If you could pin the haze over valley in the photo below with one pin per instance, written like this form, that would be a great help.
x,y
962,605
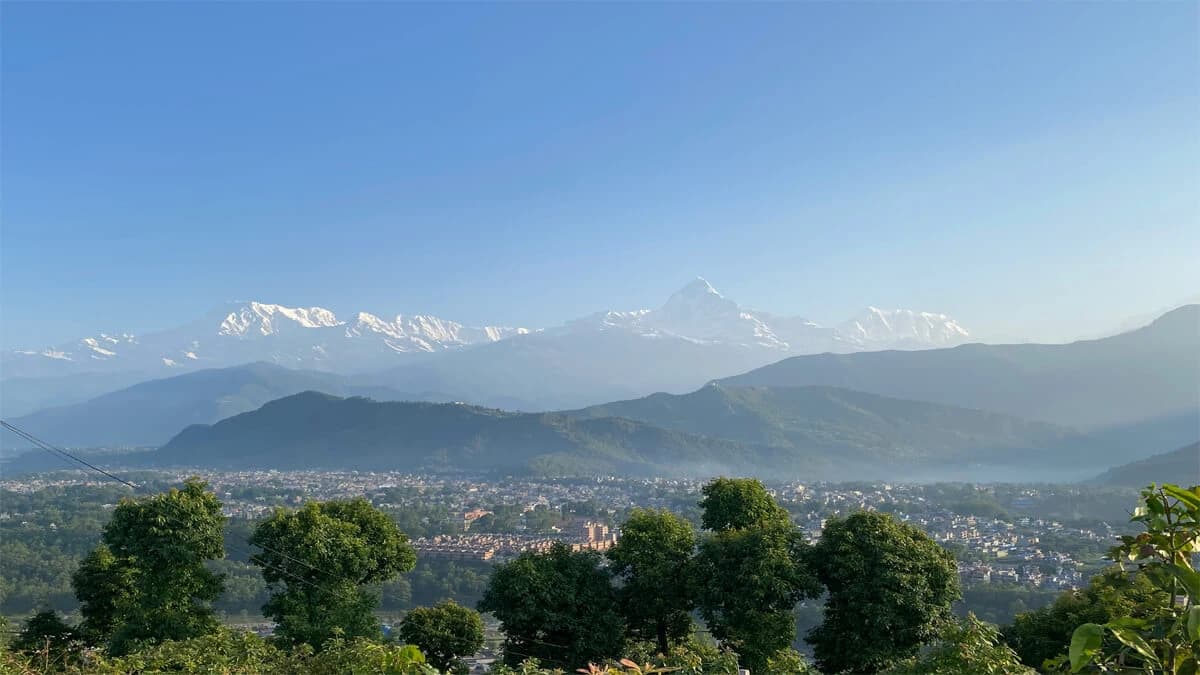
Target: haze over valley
x,y
700,386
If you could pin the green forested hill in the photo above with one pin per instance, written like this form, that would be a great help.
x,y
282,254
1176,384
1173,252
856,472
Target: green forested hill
x,y
846,424
319,430
808,432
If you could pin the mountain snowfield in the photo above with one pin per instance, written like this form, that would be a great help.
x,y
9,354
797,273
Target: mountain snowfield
x,y
316,338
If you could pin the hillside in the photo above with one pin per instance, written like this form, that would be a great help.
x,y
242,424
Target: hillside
x,y
1146,373
311,430
1180,466
816,433
150,413
851,425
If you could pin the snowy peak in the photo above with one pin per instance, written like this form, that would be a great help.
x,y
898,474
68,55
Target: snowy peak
x,y
315,337
426,333
263,319
898,327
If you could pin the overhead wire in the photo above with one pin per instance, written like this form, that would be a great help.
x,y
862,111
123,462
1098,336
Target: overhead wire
x,y
67,456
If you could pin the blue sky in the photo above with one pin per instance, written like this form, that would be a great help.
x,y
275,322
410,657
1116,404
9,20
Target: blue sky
x,y
1028,168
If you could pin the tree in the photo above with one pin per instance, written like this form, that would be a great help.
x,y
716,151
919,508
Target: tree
x,y
652,561
1044,633
45,632
751,571
749,582
967,647
557,606
103,585
152,583
324,554
738,504
1167,638
889,591
445,633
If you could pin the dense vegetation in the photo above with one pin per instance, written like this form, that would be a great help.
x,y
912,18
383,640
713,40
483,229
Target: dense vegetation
x,y
147,592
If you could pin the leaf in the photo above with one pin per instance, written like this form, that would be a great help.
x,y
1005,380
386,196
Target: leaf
x,y
1190,579
1193,623
1085,642
1131,639
1186,496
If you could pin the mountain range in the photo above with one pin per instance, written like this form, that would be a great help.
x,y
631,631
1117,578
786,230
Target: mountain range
x,y
810,432
695,336
794,414
150,413
1150,372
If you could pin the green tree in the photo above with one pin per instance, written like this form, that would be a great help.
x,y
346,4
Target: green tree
x,y
966,647
45,632
558,606
652,561
1167,638
103,585
148,580
321,557
1044,633
889,586
738,504
445,633
751,571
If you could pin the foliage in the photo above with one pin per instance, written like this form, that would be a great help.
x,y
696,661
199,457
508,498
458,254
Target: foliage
x,y
652,562
557,606
789,661
889,591
1044,634
1166,640
48,637
738,504
148,580
688,658
323,555
230,652
751,571
42,541
103,586
966,647
445,634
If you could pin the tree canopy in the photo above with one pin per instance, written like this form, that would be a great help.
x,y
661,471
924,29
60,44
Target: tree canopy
x,y
559,607
889,588
652,562
751,571
324,554
445,633
738,504
148,580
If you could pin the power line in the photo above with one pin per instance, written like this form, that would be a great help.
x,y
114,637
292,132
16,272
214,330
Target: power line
x,y
63,453
67,456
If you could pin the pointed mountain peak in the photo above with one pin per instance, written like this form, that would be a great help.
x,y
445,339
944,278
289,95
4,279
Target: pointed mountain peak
x,y
698,286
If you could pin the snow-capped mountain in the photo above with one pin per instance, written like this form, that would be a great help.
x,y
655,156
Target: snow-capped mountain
x,y
698,312
298,337
696,336
316,338
901,329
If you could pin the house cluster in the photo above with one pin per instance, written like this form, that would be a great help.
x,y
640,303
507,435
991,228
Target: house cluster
x,y
581,536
